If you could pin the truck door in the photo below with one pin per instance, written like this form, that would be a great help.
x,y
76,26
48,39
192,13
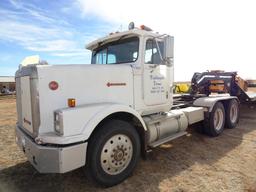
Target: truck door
x,y
156,75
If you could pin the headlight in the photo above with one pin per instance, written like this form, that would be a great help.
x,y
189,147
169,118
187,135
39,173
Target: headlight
x,y
58,122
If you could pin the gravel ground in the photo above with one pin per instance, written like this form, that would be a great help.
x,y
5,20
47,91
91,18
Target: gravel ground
x,y
192,163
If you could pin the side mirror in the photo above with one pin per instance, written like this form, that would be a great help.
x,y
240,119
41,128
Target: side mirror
x,y
168,50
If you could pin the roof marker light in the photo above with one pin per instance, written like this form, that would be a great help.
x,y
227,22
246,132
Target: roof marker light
x,y
144,27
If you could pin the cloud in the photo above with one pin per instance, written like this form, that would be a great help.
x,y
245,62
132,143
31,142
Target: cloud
x,y
36,38
208,34
22,32
54,45
28,9
31,28
57,33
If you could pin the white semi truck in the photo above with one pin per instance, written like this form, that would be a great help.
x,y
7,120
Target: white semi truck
x,y
106,115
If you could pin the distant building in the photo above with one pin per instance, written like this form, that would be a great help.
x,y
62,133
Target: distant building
x,y
8,82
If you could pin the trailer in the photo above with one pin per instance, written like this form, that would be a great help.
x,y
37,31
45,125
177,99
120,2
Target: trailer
x,y
222,82
104,116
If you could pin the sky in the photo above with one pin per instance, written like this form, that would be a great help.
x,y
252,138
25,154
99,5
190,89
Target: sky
x,y
208,34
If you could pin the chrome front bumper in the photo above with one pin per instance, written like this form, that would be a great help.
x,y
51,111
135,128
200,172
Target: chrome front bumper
x,y
51,159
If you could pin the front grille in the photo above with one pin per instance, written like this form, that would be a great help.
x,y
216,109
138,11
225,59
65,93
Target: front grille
x,y
27,99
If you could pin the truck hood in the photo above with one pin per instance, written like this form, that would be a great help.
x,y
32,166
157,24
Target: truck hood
x,y
85,83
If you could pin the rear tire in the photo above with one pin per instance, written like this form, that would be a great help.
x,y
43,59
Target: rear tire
x,y
113,153
232,114
214,125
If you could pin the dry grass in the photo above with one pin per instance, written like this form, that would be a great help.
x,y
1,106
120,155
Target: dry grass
x,y
192,163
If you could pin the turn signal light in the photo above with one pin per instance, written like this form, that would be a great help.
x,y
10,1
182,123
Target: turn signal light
x,y
71,102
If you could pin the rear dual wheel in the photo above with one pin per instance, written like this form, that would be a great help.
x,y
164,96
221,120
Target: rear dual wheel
x,y
232,114
219,118
214,125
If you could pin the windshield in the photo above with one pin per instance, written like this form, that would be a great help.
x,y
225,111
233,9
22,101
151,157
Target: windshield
x,y
120,51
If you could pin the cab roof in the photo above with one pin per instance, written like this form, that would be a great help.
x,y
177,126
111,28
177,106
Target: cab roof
x,y
117,35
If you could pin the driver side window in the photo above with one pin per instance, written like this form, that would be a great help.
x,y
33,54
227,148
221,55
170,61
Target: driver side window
x,y
152,55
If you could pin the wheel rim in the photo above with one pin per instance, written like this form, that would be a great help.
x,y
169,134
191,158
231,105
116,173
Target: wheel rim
x,y
218,119
116,154
233,113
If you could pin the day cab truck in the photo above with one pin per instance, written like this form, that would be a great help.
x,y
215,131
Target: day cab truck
x,y
106,115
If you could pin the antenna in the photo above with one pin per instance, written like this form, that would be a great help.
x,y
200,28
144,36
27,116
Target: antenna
x,y
120,28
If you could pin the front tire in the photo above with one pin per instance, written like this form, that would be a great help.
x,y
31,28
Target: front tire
x,y
214,125
113,153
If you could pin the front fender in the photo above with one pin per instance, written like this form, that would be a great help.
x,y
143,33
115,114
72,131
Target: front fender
x,y
79,122
105,111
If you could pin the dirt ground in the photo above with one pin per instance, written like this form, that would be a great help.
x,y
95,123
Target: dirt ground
x,y
192,163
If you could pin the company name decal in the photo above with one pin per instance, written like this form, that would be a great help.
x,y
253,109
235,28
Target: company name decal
x,y
156,77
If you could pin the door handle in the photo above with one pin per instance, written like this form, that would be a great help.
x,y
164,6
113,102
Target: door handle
x,y
153,66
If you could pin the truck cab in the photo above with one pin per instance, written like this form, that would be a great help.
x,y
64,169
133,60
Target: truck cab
x,y
105,115
144,52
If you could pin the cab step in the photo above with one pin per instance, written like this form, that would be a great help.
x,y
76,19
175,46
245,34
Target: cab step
x,y
167,139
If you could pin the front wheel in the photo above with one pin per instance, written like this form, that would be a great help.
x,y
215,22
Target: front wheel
x,y
113,152
214,125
